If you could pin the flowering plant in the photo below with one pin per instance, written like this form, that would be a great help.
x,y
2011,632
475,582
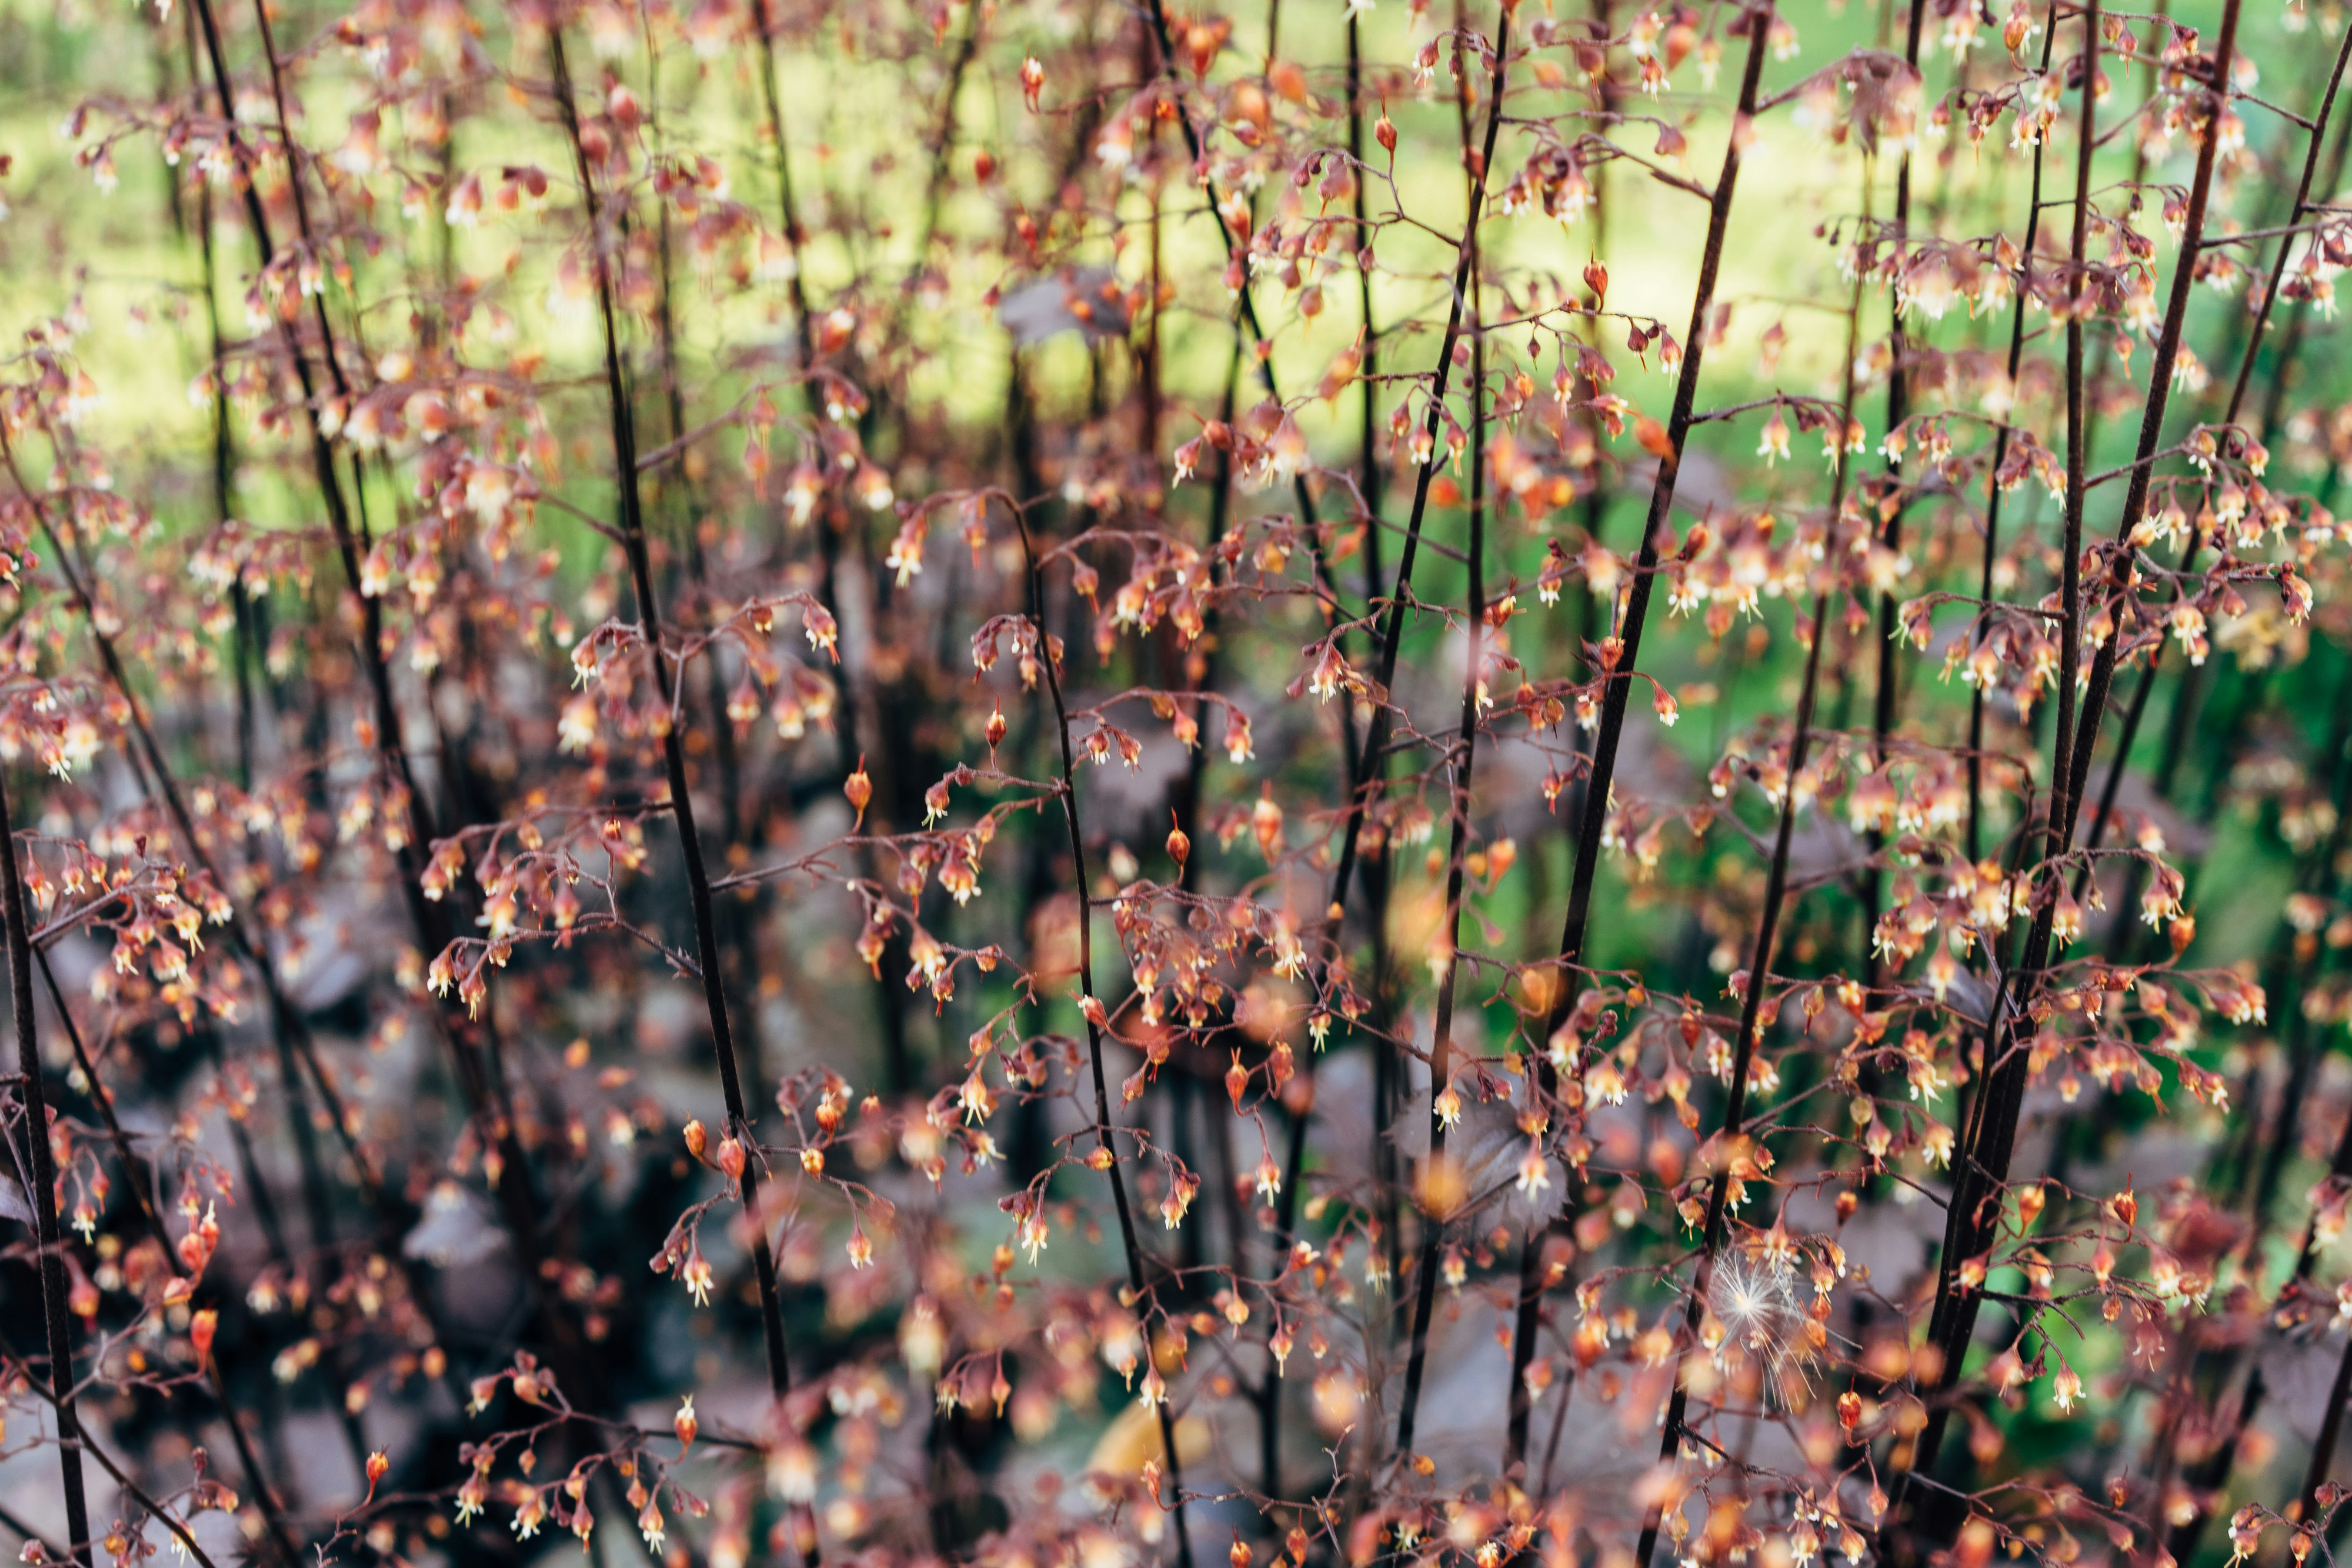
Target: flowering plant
x,y
792,665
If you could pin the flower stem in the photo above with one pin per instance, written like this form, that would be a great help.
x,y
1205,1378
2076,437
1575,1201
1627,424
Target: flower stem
x,y
1130,1246
40,1178
707,955
1617,677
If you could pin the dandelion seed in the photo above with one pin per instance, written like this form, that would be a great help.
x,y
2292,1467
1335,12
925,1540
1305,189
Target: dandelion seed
x,y
1755,1301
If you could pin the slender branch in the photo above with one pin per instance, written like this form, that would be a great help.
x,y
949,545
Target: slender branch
x,y
1759,969
484,1098
313,1177
1441,1182
1984,1166
39,1179
140,1179
1620,651
2001,451
2070,780
2286,247
1898,409
740,1121
1130,1246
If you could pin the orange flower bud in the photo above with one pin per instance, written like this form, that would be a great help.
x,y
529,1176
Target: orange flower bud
x,y
859,788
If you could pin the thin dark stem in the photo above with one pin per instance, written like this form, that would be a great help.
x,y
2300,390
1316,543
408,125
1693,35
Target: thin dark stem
x,y
1393,635
2070,780
1735,1105
139,1176
943,139
2323,1448
1994,1123
294,1045
1898,409
1621,651
888,1014
1759,969
1533,1278
1441,1183
736,935
2209,1475
2137,706
1370,481
223,465
1129,1245
1999,452
485,1096
1367,767
86,1443
40,1181
1983,1163
2069,625
293,1037
2286,247
1246,304
15,1522
740,1121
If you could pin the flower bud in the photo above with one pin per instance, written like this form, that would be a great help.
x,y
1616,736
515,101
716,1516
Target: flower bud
x,y
859,788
